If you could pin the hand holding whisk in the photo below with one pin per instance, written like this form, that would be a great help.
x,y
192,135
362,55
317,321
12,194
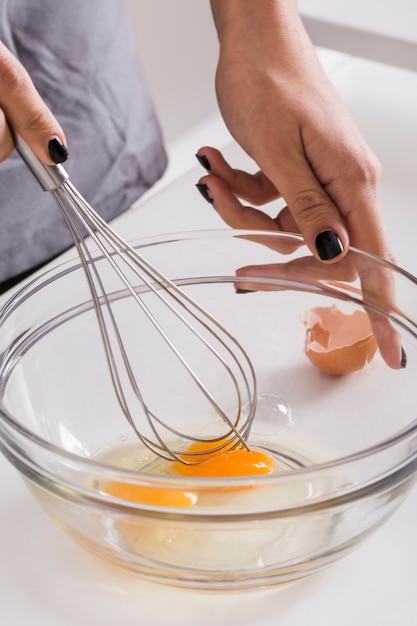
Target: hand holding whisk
x,y
188,336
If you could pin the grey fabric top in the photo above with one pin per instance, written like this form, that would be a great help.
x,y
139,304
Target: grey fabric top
x,y
81,56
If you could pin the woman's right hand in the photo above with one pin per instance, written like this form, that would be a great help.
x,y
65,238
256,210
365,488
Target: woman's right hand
x,y
22,107
225,188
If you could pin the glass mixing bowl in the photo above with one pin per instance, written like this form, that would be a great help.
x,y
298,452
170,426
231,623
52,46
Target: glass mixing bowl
x,y
345,447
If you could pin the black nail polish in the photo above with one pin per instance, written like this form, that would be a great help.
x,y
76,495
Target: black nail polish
x,y
328,245
57,150
204,190
203,160
403,358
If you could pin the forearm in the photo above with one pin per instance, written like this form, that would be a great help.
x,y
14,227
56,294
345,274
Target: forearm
x,y
266,35
264,49
234,18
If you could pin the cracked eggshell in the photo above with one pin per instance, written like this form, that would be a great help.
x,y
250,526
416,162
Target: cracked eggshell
x,y
337,342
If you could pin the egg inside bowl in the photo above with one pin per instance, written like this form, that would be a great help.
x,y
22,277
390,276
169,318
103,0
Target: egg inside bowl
x,y
336,454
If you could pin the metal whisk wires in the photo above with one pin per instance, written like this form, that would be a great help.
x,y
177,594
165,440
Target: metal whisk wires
x,y
138,278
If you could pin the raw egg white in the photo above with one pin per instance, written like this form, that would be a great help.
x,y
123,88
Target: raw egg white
x,y
225,463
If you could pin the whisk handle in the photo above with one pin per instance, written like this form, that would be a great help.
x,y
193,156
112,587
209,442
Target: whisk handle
x,y
49,177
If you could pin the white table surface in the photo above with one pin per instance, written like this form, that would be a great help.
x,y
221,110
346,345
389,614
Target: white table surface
x,y
46,579
381,30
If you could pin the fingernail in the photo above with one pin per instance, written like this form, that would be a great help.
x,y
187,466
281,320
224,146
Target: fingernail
x,y
328,245
204,190
203,160
403,358
238,290
57,150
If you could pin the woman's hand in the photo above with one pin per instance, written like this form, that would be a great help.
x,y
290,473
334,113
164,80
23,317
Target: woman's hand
x,y
226,187
22,108
281,108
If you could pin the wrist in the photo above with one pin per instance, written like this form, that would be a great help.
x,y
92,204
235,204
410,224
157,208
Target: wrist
x,y
237,18
267,36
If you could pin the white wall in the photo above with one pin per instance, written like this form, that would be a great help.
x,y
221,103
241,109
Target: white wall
x,y
178,47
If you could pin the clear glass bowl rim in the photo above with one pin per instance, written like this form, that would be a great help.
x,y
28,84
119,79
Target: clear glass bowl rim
x,y
91,465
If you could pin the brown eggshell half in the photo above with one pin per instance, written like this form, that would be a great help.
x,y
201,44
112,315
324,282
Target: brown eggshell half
x,y
337,342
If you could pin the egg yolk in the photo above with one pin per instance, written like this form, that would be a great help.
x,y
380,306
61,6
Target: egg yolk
x,y
204,450
152,496
227,462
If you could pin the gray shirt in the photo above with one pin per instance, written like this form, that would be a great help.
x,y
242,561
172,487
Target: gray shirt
x,y
81,56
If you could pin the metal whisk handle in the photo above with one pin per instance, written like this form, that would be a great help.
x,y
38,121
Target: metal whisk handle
x,y
50,177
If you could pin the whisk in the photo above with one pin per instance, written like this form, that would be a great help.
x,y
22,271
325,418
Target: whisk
x,y
139,278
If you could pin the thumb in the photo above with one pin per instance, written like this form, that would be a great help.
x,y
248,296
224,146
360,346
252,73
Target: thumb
x,y
316,215
27,113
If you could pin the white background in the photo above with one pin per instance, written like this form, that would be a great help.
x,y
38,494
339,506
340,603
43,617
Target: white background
x,y
44,577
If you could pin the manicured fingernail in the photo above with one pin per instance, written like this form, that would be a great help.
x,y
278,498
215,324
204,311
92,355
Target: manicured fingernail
x,y
403,358
238,290
57,150
204,190
328,245
203,160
